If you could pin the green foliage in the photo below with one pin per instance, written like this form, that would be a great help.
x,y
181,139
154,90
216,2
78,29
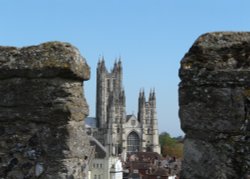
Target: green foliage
x,y
165,139
171,146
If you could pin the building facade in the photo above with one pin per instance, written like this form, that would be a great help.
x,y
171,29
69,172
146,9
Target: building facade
x,y
118,132
104,166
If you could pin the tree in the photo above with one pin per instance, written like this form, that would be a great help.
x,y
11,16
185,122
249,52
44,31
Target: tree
x,y
170,146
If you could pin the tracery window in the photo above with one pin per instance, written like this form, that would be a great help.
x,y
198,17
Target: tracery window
x,y
133,142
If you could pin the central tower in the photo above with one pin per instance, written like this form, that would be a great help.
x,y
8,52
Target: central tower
x,y
110,96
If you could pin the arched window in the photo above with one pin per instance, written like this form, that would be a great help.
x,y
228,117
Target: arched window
x,y
133,142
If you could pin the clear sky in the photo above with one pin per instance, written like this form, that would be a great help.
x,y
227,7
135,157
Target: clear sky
x,y
150,36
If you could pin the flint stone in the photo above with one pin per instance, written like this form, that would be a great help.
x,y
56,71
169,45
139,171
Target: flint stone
x,y
42,107
214,100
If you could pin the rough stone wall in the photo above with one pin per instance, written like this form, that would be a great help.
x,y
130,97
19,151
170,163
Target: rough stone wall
x,y
42,108
214,99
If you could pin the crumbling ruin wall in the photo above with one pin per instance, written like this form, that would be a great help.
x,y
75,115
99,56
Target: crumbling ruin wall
x,y
42,108
214,100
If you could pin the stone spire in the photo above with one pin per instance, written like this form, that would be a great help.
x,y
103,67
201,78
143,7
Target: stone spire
x,y
101,64
123,97
152,98
141,105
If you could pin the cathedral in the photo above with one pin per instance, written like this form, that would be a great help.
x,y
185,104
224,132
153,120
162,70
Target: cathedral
x,y
116,130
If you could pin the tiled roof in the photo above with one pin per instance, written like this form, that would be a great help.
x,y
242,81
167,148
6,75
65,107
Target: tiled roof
x,y
140,165
147,155
160,172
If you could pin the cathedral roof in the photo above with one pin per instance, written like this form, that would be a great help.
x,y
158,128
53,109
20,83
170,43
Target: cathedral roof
x,y
100,151
91,121
128,117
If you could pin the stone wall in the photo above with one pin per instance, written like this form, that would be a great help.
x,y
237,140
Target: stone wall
x,y
214,99
42,108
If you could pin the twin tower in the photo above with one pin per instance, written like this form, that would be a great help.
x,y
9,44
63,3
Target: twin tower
x,y
124,133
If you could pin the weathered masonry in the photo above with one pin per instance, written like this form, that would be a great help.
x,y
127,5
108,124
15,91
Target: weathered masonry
x,y
42,108
214,99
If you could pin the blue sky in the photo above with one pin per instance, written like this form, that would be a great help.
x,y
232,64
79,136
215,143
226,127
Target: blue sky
x,y
150,36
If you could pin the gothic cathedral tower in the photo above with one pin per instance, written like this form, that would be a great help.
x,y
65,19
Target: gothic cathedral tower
x,y
110,96
148,120
110,104
121,132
